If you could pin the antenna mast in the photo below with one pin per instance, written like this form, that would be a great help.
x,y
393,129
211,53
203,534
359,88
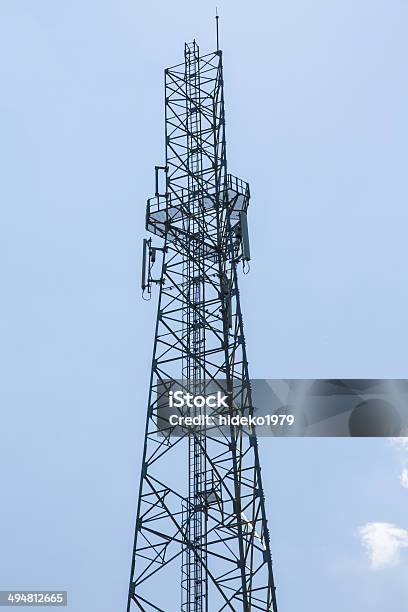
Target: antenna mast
x,y
217,27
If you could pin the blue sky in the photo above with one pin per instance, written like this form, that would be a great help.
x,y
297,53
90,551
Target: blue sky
x,y
316,99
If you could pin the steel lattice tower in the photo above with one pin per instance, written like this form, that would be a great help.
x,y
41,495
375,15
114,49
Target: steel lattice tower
x,y
201,539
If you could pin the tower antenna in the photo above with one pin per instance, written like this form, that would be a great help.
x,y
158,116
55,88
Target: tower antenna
x,y
201,536
217,27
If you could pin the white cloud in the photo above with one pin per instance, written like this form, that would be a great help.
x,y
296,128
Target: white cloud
x,y
404,478
400,443
383,542
401,446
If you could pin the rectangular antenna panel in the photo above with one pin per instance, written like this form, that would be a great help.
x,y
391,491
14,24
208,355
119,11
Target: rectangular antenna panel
x,y
246,253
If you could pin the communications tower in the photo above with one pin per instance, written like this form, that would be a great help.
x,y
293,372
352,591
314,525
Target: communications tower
x,y
201,539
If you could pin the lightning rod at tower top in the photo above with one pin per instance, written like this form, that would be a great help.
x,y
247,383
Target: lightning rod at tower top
x,y
217,28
